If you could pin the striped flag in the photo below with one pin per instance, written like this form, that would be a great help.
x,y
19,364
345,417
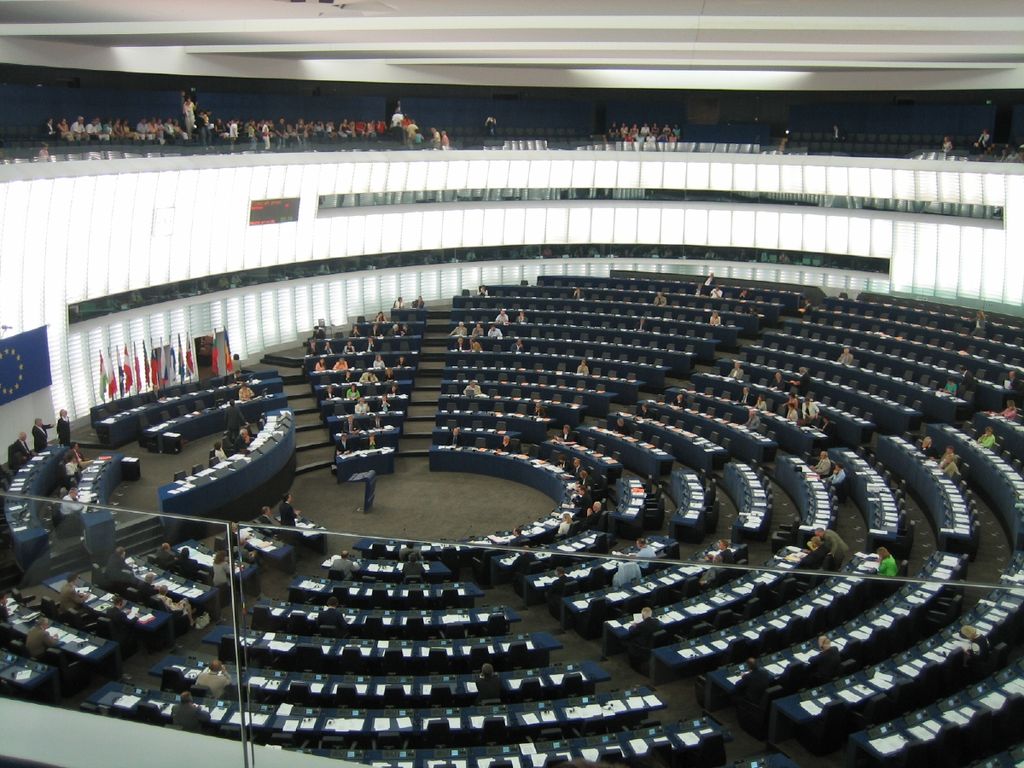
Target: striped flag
x,y
127,371
104,381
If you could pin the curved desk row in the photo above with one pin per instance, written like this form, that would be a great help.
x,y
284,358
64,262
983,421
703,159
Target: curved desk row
x,y
597,464
876,502
401,374
363,360
623,390
789,300
212,492
648,374
694,517
688,447
533,429
849,429
29,539
365,345
671,362
596,403
472,438
307,589
814,502
752,499
546,478
359,440
736,438
992,474
128,425
636,455
686,334
955,527
167,436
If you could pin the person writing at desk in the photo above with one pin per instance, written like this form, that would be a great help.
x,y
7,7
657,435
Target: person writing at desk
x,y
837,548
987,439
245,393
845,357
976,647
887,565
472,389
583,369
319,367
948,463
362,407
183,606
488,685
1010,412
39,638
70,599
824,466
218,451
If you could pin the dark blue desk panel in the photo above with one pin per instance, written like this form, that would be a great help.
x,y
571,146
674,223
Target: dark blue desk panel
x,y
388,571
101,654
385,437
623,390
875,500
668,361
814,502
147,621
743,443
367,389
894,417
203,597
688,447
307,589
341,406
336,424
788,435
127,426
96,486
556,413
952,519
521,567
788,300
851,430
596,463
692,519
380,460
991,473
317,379
686,334
636,455
381,344
754,507
887,624
820,358
413,624
275,446
211,421
533,429
544,477
29,539
596,403
30,679
366,691
468,437
649,374
362,361
248,573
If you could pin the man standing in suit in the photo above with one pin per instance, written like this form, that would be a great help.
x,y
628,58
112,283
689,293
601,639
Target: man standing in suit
x,y
18,453
63,429
286,512
39,436
117,572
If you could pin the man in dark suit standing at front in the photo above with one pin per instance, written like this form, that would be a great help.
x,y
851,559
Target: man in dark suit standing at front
x,y
39,436
63,429
18,453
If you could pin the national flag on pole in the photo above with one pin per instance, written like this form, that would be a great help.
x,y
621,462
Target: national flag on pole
x,y
170,364
103,378
181,362
120,373
146,363
128,381
228,362
112,382
215,354
138,371
189,362
154,366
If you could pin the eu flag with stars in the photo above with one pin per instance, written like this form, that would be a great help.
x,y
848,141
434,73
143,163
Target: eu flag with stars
x,y
24,364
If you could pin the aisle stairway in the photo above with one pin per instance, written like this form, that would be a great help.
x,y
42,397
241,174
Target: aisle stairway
x,y
427,388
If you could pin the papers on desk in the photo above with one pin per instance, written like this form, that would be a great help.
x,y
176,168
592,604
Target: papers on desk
x,y
887,745
812,708
126,701
22,675
279,645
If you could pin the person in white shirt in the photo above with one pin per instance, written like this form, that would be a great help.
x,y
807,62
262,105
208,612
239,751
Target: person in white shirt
x,y
214,678
472,389
715,319
583,369
736,372
502,318
78,129
378,362
92,128
460,330
218,451
494,333
70,506
846,357
362,407
565,526
716,292
810,409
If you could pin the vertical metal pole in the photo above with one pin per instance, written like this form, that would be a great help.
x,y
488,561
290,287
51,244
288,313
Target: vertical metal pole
x,y
241,663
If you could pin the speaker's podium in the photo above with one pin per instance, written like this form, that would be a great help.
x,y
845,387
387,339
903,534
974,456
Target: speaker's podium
x,y
369,489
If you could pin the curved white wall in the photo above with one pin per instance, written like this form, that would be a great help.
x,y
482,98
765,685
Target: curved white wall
x,y
76,231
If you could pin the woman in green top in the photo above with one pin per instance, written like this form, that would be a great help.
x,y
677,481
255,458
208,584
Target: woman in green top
x,y
352,393
886,563
988,439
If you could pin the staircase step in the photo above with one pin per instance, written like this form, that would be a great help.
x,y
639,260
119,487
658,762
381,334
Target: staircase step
x,y
313,467
305,411
415,452
308,427
294,378
420,419
318,446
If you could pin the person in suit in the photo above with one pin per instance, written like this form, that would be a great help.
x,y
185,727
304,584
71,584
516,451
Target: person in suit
x,y
976,648
18,452
331,617
117,572
39,638
164,557
413,569
233,422
488,685
120,624
814,554
754,683
214,678
187,716
69,599
826,664
40,436
185,565
641,635
833,542
286,513
63,428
